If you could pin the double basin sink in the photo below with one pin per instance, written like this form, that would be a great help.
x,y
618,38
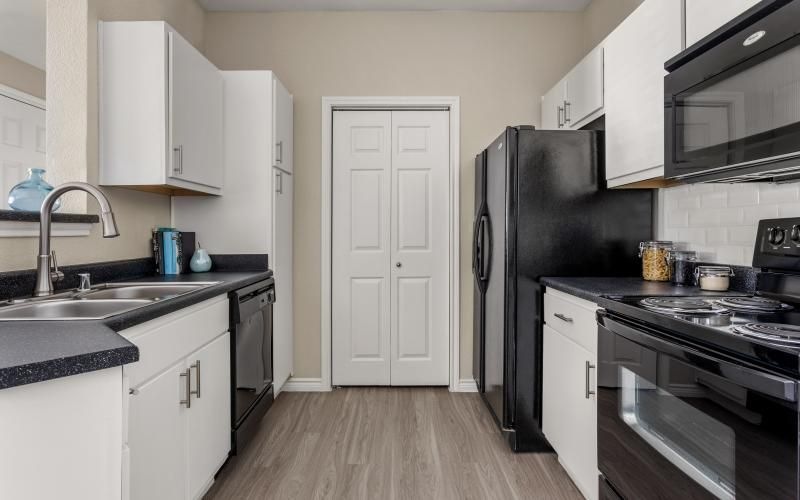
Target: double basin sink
x,y
99,302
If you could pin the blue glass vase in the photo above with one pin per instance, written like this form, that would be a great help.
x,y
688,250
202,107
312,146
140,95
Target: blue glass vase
x,y
28,195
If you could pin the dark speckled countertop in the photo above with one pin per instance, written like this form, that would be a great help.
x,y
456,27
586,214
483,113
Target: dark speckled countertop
x,y
594,289
35,351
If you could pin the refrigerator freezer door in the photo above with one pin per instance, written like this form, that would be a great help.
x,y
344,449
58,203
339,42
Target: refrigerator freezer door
x,y
478,257
495,381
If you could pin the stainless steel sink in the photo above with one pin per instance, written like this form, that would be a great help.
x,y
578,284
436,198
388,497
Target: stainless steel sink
x,y
148,291
69,309
102,301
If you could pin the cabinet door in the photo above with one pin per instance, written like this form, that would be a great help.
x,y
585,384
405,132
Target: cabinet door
x,y
281,261
209,418
584,89
634,56
195,103
572,417
553,107
283,125
156,437
705,16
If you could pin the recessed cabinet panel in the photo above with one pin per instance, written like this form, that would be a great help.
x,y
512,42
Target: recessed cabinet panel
x,y
414,219
414,318
365,225
366,299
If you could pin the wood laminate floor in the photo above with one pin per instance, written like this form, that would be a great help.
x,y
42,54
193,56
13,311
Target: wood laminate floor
x,y
386,443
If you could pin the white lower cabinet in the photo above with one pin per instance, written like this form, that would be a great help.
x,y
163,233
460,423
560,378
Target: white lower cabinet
x,y
178,426
156,437
569,404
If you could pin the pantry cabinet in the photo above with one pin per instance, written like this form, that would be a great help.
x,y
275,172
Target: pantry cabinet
x,y
634,56
705,16
569,403
161,111
255,215
578,97
177,432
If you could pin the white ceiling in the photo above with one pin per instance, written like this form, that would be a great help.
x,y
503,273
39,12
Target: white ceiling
x,y
481,5
23,30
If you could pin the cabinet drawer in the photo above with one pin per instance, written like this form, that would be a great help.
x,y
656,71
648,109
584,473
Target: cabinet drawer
x,y
573,317
165,340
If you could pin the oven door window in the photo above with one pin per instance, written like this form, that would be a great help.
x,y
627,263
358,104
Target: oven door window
x,y
700,446
749,112
678,426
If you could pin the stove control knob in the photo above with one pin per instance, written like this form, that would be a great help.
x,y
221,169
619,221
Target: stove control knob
x,y
795,234
776,235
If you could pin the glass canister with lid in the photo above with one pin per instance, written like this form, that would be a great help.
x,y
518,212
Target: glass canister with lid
x,y
655,266
714,278
681,266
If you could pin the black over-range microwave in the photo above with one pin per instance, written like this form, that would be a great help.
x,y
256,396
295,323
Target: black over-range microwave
x,y
732,100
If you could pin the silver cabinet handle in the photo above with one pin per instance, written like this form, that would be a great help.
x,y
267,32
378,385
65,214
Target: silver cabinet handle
x,y
589,366
178,168
566,112
196,366
560,110
563,318
279,158
188,390
279,178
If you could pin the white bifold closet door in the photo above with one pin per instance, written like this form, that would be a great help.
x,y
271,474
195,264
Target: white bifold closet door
x,y
390,248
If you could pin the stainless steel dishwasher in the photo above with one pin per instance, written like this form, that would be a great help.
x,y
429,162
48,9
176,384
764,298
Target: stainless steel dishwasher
x,y
251,359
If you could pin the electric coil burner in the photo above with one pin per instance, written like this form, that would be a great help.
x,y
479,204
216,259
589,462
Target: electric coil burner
x,y
772,332
753,304
682,306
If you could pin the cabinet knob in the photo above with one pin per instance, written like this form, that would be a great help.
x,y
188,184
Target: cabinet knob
x,y
398,265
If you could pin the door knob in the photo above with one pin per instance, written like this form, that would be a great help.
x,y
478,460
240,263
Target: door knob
x,y
399,264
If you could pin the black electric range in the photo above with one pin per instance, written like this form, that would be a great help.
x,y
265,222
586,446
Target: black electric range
x,y
697,397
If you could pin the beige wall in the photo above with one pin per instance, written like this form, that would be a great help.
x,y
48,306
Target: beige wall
x,y
72,128
21,76
499,64
601,17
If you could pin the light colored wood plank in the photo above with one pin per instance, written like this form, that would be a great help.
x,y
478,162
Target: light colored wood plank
x,y
389,443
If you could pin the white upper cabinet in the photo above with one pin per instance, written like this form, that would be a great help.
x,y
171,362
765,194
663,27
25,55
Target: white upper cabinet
x,y
584,90
634,55
283,127
578,97
553,106
705,16
161,106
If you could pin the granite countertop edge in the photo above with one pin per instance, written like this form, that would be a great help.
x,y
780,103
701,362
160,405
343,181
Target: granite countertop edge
x,y
106,348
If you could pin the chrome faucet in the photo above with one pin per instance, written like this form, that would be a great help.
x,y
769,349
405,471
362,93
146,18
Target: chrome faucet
x,y
47,259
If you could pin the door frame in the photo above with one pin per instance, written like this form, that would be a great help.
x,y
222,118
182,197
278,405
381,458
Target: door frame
x,y
366,103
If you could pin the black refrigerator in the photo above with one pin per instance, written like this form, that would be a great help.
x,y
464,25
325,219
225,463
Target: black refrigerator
x,y
541,209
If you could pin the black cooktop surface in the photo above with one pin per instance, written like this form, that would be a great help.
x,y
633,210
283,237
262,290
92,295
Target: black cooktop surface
x,y
752,328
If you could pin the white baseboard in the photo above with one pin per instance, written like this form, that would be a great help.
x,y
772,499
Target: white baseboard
x,y
295,384
466,385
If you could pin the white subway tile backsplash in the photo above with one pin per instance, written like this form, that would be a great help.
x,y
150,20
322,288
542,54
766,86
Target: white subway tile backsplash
x,y
754,214
719,221
740,195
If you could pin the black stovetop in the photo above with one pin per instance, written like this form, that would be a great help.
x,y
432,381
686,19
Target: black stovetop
x,y
719,330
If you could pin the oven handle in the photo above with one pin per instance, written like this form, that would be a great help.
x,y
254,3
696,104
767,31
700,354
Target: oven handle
x,y
764,383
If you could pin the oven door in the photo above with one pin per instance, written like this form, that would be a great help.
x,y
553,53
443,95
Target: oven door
x,y
733,110
676,422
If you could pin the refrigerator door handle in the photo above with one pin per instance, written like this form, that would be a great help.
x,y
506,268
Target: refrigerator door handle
x,y
477,235
486,247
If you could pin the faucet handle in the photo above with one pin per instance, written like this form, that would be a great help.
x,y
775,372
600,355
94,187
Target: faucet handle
x,y
55,274
86,282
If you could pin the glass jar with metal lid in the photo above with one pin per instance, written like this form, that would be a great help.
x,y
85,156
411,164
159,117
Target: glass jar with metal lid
x,y
681,266
654,260
713,278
